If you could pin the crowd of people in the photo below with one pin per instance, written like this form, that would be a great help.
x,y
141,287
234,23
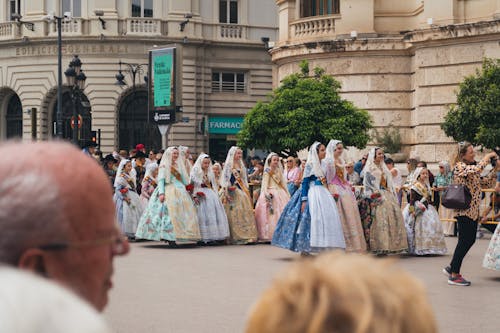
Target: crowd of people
x,y
59,222
306,206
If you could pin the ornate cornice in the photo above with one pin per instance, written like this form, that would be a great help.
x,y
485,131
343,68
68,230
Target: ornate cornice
x,y
453,31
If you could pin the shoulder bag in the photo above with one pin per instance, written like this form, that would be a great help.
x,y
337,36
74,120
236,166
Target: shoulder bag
x,y
456,196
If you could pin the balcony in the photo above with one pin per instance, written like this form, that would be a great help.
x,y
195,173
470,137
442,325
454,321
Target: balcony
x,y
315,27
231,32
71,27
9,30
143,26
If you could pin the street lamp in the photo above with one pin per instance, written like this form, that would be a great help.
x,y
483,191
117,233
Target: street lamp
x,y
131,68
59,19
76,82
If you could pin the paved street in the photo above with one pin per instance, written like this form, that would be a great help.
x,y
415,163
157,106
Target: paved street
x,y
210,289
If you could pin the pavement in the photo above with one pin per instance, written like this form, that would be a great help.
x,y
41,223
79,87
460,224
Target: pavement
x,y
210,289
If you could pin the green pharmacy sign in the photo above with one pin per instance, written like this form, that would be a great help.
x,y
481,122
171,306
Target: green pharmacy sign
x,y
224,125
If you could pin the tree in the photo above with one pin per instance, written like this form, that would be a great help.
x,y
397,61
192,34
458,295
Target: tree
x,y
476,116
302,110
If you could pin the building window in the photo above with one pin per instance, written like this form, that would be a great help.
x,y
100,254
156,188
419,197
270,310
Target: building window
x,y
228,11
14,7
14,117
319,7
142,8
228,82
72,6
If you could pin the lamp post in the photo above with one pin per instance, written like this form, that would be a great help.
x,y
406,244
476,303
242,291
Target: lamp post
x,y
134,69
59,116
76,82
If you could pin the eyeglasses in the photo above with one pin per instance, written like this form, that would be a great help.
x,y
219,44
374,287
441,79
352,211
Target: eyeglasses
x,y
289,161
119,244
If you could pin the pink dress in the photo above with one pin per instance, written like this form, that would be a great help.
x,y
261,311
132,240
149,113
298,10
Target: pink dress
x,y
270,204
348,210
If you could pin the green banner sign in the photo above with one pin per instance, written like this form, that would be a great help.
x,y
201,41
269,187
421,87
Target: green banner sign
x,y
163,80
224,125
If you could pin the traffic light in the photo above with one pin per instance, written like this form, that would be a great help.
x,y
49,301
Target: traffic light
x,y
94,137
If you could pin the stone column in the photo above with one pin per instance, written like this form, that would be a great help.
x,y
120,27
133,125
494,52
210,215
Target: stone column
x,y
286,15
356,16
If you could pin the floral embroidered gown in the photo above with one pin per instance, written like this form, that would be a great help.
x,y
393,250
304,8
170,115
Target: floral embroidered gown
x,y
128,214
270,204
424,228
381,216
176,218
348,211
211,214
239,211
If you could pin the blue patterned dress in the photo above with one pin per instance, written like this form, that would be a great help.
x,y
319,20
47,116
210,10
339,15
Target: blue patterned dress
x,y
293,231
175,219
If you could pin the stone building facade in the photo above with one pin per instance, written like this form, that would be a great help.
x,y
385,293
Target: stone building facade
x,y
400,60
226,68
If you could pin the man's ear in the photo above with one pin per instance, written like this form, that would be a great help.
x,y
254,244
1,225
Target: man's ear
x,y
33,260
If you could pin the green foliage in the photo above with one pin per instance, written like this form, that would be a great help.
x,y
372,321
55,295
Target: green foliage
x,y
389,139
303,110
476,116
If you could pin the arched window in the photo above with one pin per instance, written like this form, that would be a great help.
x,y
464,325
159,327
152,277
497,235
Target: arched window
x,y
319,7
14,117
134,125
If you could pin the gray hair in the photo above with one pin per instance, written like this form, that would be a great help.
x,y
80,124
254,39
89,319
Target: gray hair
x,y
31,212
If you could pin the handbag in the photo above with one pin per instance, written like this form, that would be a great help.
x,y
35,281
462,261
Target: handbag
x,y
456,196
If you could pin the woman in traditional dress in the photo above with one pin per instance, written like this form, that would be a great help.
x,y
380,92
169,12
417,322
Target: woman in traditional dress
x,y
127,202
185,159
272,199
237,199
217,170
441,182
292,174
342,192
492,256
382,220
310,221
149,183
170,214
211,215
423,226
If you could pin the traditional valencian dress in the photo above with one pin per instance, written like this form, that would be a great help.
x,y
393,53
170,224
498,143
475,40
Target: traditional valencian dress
x,y
149,184
292,176
211,214
237,201
128,213
423,227
492,257
176,218
318,227
382,219
346,202
272,200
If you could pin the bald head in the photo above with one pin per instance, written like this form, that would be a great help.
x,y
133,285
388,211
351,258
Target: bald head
x,y
54,194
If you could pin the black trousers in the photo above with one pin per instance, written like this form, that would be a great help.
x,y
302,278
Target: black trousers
x,y
466,238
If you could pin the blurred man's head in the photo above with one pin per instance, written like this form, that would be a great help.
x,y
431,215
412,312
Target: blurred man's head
x,y
58,218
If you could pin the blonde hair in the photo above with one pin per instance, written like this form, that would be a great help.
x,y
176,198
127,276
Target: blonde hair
x,y
338,293
461,151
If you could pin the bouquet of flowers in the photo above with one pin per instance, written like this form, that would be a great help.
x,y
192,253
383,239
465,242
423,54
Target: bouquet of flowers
x,y
269,200
336,196
124,190
376,198
420,207
197,196
190,188
231,192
